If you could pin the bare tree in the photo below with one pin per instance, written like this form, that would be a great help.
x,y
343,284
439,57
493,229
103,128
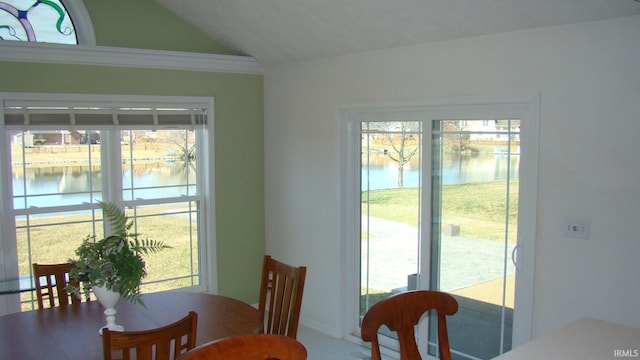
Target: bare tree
x,y
403,137
185,148
462,139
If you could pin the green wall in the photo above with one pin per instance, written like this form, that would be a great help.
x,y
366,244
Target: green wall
x,y
238,119
145,24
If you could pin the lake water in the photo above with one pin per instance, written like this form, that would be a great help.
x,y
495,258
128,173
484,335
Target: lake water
x,y
383,172
70,185
67,185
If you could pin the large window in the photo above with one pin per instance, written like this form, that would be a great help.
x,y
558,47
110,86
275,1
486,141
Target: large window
x,y
151,156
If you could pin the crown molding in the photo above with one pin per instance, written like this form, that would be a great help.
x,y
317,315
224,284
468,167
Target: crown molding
x,y
126,57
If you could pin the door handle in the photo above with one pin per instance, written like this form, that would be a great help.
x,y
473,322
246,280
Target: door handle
x,y
514,259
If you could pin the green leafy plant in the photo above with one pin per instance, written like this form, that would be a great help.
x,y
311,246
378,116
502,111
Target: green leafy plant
x,y
115,262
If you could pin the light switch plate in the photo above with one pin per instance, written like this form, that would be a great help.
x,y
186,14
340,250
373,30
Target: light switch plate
x,y
576,228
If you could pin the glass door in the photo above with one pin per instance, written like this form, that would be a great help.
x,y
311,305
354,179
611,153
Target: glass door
x,y
445,205
390,209
474,203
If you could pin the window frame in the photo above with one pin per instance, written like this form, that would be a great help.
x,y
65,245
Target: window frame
x,y
206,228
81,22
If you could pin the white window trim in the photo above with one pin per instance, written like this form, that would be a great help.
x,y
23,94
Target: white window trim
x,y
35,52
207,255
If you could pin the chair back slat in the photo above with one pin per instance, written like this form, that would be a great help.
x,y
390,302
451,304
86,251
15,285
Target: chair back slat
x,y
155,344
281,296
50,281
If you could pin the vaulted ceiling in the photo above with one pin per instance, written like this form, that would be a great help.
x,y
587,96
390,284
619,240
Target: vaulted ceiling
x,y
282,31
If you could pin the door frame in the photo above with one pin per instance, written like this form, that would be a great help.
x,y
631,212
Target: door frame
x,y
525,107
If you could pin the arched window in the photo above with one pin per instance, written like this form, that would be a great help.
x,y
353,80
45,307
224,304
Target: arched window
x,y
51,21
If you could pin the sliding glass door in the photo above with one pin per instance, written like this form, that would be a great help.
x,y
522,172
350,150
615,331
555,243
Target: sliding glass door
x,y
439,205
474,202
390,243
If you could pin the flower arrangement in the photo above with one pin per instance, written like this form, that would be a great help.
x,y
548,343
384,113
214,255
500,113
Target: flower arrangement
x,y
116,261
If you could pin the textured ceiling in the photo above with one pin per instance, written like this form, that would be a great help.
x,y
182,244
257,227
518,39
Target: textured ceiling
x,y
282,31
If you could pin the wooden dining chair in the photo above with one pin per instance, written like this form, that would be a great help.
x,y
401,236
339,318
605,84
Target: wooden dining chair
x,y
164,343
250,347
401,313
50,281
281,297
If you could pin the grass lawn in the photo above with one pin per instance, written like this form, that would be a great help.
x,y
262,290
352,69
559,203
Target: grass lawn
x,y
60,235
478,208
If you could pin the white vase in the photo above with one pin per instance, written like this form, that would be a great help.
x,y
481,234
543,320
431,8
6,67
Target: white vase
x,y
108,299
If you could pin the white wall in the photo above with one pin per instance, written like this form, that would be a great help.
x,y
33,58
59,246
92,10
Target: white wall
x,y
588,76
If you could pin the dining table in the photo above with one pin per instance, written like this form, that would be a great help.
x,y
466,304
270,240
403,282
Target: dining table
x,y
583,339
72,332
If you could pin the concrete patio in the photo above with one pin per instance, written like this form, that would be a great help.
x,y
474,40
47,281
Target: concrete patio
x,y
470,269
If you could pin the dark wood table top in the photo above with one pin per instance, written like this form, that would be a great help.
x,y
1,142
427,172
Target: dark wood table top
x,y
72,332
